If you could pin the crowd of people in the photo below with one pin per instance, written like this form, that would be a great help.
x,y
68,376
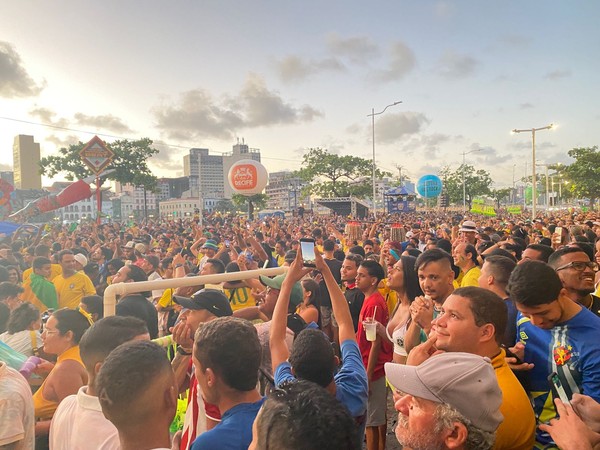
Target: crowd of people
x,y
481,330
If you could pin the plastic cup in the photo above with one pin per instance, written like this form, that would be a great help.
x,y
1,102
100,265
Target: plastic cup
x,y
370,327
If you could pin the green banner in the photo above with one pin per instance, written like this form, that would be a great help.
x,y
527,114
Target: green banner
x,y
479,207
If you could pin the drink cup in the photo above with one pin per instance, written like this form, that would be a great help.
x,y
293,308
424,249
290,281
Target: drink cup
x,y
29,366
370,327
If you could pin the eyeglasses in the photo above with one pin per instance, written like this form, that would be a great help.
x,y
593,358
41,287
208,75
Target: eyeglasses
x,y
579,266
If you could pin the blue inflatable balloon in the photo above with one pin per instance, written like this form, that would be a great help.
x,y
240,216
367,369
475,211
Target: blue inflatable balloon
x,y
429,186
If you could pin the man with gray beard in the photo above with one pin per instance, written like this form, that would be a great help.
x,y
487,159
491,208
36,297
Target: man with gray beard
x,y
452,400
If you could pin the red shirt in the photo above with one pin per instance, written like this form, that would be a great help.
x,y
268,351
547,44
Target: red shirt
x,y
382,316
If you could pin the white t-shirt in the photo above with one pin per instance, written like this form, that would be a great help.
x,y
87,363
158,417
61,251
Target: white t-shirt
x,y
156,293
78,424
21,341
17,420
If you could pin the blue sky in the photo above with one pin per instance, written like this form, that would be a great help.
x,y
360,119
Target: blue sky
x,y
288,76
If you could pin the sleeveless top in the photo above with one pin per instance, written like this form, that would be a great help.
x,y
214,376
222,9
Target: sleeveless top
x,y
397,339
44,409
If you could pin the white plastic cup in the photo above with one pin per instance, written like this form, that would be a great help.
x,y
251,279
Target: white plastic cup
x,y
370,327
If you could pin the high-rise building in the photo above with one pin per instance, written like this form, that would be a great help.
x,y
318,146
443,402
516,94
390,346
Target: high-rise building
x,y
284,192
208,173
205,173
26,159
172,187
240,151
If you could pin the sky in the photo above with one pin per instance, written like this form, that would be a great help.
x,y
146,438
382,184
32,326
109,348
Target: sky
x,y
289,76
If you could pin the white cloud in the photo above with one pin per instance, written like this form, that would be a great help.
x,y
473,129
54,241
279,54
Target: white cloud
x,y
198,115
357,49
557,74
14,79
107,122
402,61
455,66
393,126
294,68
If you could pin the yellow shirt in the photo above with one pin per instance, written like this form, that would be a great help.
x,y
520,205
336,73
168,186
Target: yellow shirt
x,y
240,297
44,409
166,300
72,289
55,270
517,430
390,295
471,278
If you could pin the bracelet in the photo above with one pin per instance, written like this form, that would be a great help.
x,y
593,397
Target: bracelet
x,y
181,351
177,266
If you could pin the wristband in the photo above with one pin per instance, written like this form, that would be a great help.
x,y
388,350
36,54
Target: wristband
x,y
183,352
177,266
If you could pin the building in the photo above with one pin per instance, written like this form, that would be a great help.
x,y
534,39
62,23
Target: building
x,y
84,209
8,176
180,208
172,187
205,173
139,195
26,159
208,173
284,192
240,152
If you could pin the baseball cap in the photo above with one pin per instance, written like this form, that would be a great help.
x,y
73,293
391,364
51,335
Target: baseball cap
x,y
81,259
212,300
210,244
468,226
130,244
276,282
140,247
464,381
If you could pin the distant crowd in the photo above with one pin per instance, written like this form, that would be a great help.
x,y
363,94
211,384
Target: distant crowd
x,y
481,331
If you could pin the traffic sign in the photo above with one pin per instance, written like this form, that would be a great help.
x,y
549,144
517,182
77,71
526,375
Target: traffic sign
x,y
96,155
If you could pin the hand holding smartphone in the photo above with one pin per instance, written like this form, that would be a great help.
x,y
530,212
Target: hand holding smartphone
x,y
307,248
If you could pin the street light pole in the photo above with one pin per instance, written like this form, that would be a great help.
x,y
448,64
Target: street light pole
x,y
463,178
372,116
533,175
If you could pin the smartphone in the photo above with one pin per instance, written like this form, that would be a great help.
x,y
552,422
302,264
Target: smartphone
x,y
307,247
558,231
559,389
510,354
227,243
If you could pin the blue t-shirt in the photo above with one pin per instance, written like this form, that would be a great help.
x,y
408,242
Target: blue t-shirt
x,y
352,387
234,432
572,350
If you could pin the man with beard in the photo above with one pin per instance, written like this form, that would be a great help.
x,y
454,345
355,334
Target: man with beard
x,y
450,401
577,273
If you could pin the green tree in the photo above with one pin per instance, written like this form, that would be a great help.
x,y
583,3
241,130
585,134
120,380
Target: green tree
x,y
225,206
584,173
500,194
477,183
130,163
249,203
330,175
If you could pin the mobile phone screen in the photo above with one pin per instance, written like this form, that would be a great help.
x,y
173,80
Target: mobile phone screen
x,y
559,388
308,252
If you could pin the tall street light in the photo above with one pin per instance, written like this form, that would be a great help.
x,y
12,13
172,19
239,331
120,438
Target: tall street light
x,y
533,175
463,178
372,116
